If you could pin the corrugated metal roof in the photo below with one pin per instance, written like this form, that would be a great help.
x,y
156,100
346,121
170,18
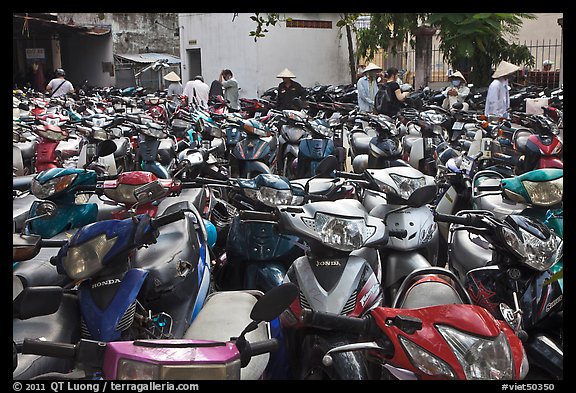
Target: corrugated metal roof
x,y
98,30
148,57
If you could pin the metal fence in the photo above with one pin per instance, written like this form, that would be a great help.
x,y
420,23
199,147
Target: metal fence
x,y
405,60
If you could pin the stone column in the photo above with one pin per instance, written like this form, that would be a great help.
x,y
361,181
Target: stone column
x,y
423,55
56,54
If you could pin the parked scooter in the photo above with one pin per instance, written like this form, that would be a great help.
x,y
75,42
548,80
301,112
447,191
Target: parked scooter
x,y
432,332
127,292
99,127
340,273
255,154
400,196
509,261
313,149
61,185
211,348
293,126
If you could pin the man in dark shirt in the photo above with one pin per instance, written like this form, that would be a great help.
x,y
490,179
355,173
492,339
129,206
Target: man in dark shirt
x,y
289,89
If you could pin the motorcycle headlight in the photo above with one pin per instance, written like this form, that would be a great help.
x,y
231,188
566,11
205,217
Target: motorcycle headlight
x,y
425,361
100,134
536,253
83,260
134,370
51,187
272,197
545,193
407,185
341,233
481,358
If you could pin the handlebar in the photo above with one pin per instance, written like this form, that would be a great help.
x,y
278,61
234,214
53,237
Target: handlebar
x,y
167,219
343,323
260,347
46,348
250,215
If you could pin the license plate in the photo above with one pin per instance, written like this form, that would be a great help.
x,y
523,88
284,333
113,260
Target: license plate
x,y
458,125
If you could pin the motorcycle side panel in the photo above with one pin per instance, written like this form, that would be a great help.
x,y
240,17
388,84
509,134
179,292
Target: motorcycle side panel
x,y
468,251
101,324
177,264
71,216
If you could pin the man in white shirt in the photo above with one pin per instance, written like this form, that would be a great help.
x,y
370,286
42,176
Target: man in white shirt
x,y
197,91
59,86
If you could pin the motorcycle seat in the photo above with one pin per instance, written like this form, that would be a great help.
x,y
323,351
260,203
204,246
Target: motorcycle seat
x,y
225,314
62,326
430,293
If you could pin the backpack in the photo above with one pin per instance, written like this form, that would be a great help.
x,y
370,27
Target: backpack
x,y
383,100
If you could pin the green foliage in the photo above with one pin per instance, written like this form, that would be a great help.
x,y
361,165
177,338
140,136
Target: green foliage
x,y
475,39
262,23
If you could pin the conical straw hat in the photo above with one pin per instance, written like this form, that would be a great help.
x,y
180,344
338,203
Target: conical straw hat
x,y
504,68
286,73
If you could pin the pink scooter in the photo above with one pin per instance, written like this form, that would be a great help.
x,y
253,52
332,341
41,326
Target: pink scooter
x,y
208,349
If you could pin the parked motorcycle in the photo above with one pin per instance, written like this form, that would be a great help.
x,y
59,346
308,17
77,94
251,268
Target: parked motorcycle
x,y
255,154
509,261
204,352
400,196
41,309
340,273
61,185
432,332
128,292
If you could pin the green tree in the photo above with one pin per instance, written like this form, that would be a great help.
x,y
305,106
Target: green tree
x,y
478,41
472,40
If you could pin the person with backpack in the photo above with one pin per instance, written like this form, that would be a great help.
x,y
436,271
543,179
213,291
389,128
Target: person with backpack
x,y
389,101
367,86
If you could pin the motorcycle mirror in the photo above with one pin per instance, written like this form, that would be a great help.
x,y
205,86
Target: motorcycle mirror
x,y
25,247
105,148
37,301
44,209
149,192
326,166
423,195
274,302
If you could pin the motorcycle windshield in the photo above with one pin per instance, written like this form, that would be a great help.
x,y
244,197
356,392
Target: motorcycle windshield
x,y
257,242
251,149
316,149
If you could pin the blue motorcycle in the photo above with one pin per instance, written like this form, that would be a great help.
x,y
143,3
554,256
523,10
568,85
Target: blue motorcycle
x,y
128,291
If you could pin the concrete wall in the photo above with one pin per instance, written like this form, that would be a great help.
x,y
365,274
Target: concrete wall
x,y
134,32
314,55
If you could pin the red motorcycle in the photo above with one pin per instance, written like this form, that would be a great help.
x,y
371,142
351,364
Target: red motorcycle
x,y
122,189
542,149
432,331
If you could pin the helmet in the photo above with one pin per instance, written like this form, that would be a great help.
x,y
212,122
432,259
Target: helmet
x,y
60,72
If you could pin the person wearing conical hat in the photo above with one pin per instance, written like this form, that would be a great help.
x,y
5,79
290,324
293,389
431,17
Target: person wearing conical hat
x,y
498,95
175,88
288,91
367,86
457,91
